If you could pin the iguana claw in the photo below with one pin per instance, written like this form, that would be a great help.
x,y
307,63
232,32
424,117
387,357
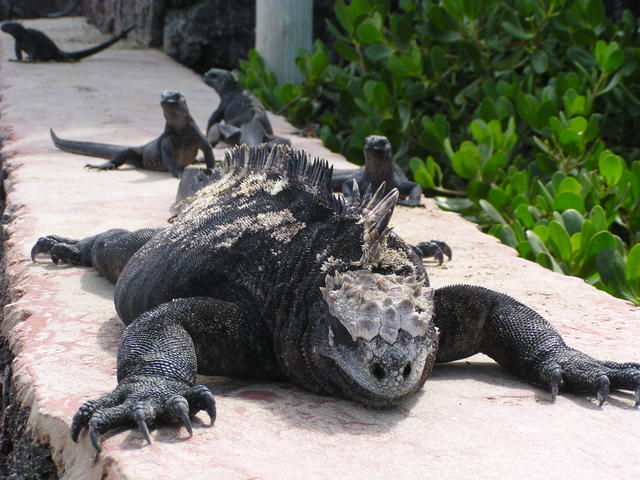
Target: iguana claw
x,y
140,417
203,399
603,389
46,244
142,401
102,166
555,379
181,409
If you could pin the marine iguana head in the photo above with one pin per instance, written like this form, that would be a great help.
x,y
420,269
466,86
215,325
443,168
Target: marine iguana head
x,y
377,146
174,106
376,336
221,80
12,28
378,160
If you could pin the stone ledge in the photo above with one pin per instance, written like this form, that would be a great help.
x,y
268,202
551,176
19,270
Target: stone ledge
x,y
472,418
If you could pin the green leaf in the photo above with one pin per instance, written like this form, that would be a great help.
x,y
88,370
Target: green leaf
x,y
611,167
516,31
492,212
439,63
524,215
346,51
614,61
573,221
423,178
454,204
633,264
601,240
570,184
415,164
340,9
378,52
571,141
566,200
540,61
539,248
498,198
560,238
508,236
368,33
319,63
612,272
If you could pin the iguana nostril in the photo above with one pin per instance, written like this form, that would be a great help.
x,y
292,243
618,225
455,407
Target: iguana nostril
x,y
378,371
406,371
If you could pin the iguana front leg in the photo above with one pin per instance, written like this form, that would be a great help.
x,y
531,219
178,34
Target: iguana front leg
x,y
157,361
156,378
169,158
411,193
18,51
476,320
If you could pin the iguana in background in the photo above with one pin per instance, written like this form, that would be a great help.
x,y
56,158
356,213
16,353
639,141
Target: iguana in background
x,y
378,167
173,150
40,48
266,274
245,119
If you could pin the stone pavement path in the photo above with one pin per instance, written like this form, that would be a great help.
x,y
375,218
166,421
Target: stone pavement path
x,y
473,419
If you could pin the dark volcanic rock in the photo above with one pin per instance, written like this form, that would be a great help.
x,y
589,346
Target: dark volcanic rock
x,y
210,33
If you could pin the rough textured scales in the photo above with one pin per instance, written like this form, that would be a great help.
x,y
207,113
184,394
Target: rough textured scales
x,y
60,318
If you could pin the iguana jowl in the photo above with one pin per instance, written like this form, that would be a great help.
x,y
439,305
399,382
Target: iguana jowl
x,y
173,150
40,48
266,274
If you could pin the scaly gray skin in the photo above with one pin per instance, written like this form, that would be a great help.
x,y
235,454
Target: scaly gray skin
x,y
40,48
245,119
378,167
176,148
266,274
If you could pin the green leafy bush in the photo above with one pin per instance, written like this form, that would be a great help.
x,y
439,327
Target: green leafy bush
x,y
521,114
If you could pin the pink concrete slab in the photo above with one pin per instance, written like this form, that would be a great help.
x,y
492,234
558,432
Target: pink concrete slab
x,y
473,419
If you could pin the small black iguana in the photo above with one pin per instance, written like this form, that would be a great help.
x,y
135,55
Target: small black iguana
x,y
245,119
173,150
378,167
40,48
266,274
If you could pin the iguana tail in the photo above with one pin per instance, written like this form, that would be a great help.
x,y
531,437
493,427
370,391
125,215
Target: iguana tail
x,y
101,150
67,11
77,55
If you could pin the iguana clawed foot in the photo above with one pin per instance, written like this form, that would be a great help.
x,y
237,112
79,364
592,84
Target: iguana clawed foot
x,y
578,372
61,249
103,166
433,248
142,401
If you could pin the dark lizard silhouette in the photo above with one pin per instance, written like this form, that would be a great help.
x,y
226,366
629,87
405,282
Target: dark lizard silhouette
x,y
40,48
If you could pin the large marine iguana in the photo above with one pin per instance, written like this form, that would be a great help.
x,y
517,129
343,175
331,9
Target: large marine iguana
x,y
245,119
40,48
266,274
173,150
378,167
